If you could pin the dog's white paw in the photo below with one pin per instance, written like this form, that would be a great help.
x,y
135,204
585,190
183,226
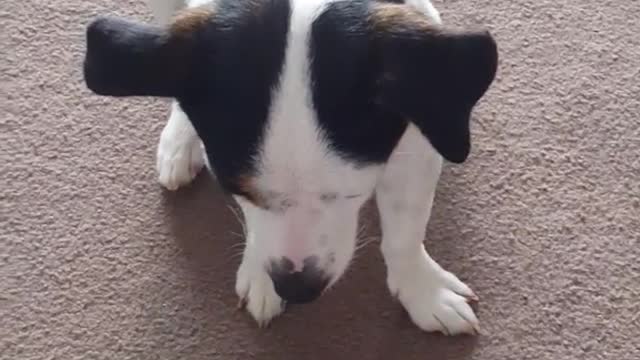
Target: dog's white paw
x,y
179,160
436,300
257,294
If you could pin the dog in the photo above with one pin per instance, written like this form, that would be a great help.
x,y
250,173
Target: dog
x,y
303,110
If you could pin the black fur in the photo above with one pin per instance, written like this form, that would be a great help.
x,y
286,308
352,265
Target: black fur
x,y
126,58
237,64
435,79
367,81
344,73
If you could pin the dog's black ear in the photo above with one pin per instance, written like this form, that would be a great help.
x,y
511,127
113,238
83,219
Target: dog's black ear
x,y
432,76
127,58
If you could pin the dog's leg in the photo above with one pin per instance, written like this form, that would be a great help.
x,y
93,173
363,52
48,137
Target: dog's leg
x,y
426,7
163,10
434,298
180,152
255,288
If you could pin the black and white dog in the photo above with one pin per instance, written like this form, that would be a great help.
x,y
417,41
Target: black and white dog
x,y
304,109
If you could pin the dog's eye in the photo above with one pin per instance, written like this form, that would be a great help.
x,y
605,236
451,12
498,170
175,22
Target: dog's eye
x,y
328,197
332,197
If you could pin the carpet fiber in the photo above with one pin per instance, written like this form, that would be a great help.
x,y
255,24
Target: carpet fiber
x,y
543,221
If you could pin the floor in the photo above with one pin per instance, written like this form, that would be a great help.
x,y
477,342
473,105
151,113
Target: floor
x,y
543,221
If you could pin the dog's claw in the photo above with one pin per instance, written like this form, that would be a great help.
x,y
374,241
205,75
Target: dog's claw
x,y
478,330
472,298
242,303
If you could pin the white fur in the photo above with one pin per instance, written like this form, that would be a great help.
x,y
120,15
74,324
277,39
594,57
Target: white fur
x,y
426,7
163,10
180,152
297,168
255,288
300,178
434,298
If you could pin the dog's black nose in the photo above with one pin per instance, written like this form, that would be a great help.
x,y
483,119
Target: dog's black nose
x,y
298,287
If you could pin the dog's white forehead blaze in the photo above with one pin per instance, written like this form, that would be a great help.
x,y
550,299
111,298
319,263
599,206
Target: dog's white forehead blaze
x,y
295,158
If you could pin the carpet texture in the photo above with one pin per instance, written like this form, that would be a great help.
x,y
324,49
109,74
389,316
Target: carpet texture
x,y
543,221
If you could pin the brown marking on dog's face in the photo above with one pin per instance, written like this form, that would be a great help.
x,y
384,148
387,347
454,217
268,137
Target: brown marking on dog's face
x,y
190,20
187,21
387,17
245,186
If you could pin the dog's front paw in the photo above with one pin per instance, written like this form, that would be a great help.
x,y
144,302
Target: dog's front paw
x,y
436,300
257,294
178,160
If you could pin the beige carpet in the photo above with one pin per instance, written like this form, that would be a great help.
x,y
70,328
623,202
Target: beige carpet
x,y
98,262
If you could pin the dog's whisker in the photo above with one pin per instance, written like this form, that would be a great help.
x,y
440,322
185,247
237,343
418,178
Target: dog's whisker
x,y
362,243
238,245
366,240
361,230
235,212
233,254
237,234
404,153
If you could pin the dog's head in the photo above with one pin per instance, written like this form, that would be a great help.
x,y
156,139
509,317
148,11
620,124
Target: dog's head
x,y
299,105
